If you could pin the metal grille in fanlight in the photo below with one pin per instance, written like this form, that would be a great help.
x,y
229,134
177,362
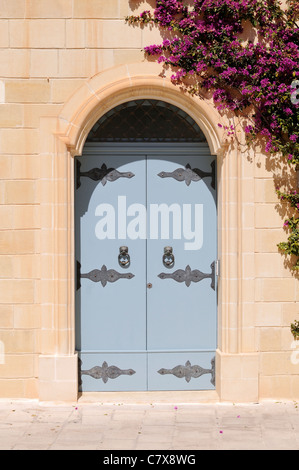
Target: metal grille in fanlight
x,y
146,121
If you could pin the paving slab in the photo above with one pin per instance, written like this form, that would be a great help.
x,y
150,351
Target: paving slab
x,y
96,425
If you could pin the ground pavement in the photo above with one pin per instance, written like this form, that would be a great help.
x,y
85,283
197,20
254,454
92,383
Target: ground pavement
x,y
148,425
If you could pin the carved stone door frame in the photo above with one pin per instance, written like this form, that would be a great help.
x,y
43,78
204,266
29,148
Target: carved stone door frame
x,y
62,138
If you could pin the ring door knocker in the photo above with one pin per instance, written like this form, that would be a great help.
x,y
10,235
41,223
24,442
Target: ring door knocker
x,y
168,257
124,258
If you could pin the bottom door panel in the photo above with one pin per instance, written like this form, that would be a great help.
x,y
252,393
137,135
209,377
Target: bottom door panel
x,y
111,372
181,371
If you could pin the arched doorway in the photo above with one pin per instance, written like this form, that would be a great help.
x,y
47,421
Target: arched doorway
x,y
146,250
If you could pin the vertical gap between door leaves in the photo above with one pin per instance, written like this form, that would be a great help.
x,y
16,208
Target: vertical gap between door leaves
x,y
146,274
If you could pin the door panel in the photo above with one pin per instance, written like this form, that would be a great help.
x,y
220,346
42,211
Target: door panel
x,y
181,371
110,317
182,316
120,371
129,336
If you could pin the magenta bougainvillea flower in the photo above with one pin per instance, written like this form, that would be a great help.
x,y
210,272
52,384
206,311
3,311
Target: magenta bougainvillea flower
x,y
251,75
205,41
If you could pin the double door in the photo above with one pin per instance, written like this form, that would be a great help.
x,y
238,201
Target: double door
x,y
146,284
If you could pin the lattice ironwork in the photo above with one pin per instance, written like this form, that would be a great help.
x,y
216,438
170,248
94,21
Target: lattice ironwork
x,y
146,121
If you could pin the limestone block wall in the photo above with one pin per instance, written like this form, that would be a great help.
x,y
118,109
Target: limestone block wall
x,y
276,288
49,50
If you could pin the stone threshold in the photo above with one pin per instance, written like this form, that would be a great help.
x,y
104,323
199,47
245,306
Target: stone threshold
x,y
160,397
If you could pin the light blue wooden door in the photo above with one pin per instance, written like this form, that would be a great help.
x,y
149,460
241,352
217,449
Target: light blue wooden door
x,y
110,298
144,322
181,305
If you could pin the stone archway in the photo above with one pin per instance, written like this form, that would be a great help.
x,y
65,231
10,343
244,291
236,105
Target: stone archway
x,y
61,139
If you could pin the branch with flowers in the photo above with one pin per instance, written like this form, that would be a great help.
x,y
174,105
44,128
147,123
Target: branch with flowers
x,y
256,79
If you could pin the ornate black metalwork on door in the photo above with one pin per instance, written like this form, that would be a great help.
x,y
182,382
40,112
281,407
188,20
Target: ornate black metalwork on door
x,y
124,259
102,275
102,174
168,257
106,372
187,276
187,371
189,174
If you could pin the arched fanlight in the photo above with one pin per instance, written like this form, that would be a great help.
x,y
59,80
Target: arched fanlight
x,y
146,120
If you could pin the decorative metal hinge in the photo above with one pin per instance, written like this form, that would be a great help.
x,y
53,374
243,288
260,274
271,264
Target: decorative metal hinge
x,y
103,275
189,174
102,174
187,276
187,371
106,372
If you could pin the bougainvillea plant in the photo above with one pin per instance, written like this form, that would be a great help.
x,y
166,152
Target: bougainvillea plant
x,y
245,53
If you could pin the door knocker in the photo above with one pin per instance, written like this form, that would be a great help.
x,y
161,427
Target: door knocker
x,y
168,257
124,258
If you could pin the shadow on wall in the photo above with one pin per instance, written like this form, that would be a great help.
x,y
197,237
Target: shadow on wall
x,y
134,4
284,178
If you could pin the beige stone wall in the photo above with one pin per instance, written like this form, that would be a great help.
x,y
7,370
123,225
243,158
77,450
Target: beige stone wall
x,y
47,50
61,63
276,289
